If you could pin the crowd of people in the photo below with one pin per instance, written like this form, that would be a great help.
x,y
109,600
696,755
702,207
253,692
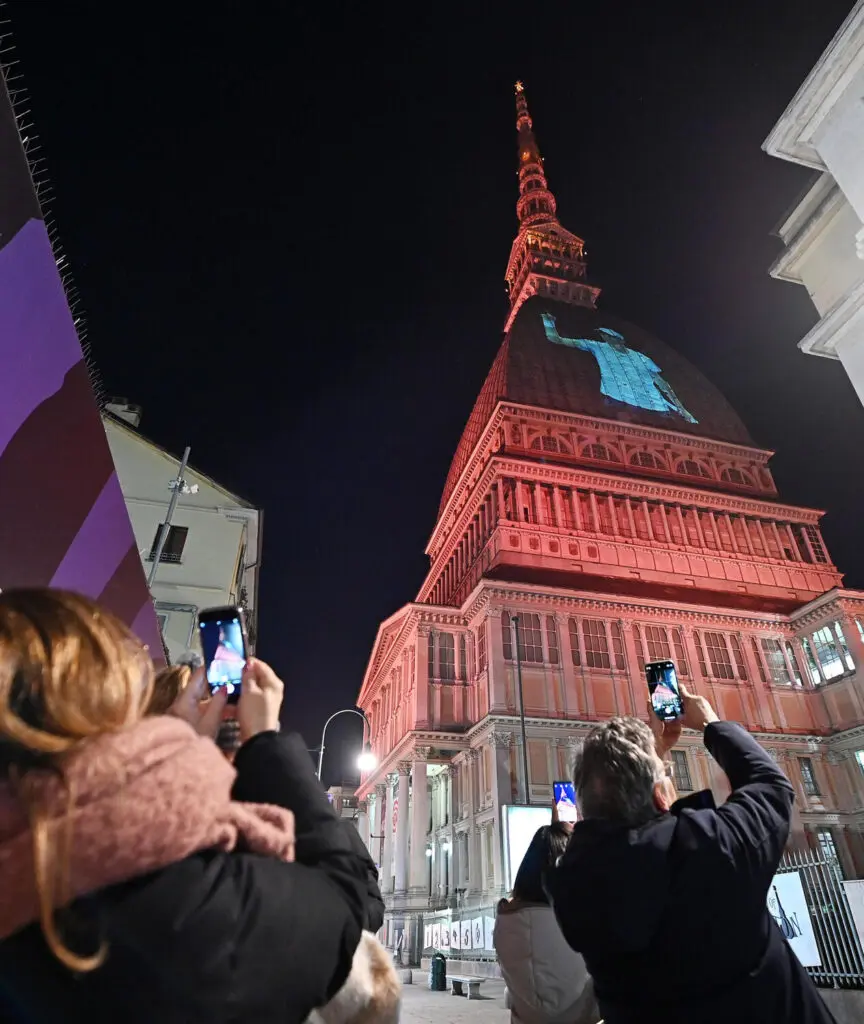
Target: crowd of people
x,y
148,875
651,908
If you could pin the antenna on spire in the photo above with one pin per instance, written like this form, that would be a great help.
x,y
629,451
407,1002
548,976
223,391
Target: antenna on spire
x,y
536,203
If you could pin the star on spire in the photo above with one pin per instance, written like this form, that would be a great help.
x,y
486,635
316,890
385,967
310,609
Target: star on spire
x,y
520,87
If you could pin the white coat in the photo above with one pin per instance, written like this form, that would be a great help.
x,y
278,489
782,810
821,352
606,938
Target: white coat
x,y
547,981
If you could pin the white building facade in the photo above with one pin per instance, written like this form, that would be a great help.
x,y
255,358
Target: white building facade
x,y
212,553
823,237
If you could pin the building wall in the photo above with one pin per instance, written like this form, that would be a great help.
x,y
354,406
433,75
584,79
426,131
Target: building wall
x,y
222,537
823,128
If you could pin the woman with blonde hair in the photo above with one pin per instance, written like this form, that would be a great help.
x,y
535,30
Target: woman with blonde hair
x,y
142,878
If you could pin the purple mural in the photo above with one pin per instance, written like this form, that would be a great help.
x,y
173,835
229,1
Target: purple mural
x,y
63,518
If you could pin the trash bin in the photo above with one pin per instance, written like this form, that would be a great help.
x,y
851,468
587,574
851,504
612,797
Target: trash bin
x,y
438,973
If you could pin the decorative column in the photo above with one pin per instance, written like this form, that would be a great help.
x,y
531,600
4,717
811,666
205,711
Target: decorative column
x,y
419,822
387,856
401,866
502,793
497,664
475,873
378,825
421,682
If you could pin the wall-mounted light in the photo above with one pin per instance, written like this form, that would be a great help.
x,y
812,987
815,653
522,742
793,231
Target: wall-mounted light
x,y
428,851
446,847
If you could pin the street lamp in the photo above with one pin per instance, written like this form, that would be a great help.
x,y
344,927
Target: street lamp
x,y
367,760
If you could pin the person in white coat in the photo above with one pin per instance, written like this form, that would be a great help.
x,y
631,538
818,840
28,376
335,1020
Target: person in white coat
x,y
547,981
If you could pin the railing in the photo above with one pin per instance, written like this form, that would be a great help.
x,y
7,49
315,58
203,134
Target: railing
x,y
833,926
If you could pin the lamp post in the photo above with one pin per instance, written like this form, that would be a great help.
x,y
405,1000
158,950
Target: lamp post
x,y
367,760
515,621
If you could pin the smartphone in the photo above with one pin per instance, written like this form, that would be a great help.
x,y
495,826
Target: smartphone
x,y
663,687
564,794
223,641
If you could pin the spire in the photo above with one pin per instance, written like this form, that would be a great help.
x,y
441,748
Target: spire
x,y
546,259
536,203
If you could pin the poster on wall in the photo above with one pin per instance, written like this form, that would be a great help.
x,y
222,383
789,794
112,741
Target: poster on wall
x,y
455,936
445,934
787,904
855,895
465,927
436,936
477,933
427,936
488,929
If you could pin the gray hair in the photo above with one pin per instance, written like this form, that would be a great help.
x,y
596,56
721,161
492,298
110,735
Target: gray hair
x,y
615,771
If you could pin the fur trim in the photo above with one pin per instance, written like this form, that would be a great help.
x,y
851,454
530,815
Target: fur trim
x,y
371,993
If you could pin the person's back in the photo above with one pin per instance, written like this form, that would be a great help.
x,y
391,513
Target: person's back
x,y
669,909
546,980
142,880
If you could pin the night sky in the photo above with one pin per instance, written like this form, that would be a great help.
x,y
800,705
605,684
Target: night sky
x,y
290,234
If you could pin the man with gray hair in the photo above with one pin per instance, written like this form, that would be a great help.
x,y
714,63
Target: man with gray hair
x,y
666,899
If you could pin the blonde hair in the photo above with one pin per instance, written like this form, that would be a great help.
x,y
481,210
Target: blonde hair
x,y
69,671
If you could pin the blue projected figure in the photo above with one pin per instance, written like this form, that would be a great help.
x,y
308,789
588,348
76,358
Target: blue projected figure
x,y
625,375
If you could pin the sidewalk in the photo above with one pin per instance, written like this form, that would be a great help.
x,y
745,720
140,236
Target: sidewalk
x,y
420,1006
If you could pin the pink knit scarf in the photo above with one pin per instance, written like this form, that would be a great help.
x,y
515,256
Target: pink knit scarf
x,y
143,798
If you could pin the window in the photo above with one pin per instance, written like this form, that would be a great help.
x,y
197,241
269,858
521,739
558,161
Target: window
x,y
646,460
528,635
738,655
162,618
573,629
680,655
736,476
828,652
481,647
617,646
793,662
815,538
776,662
463,657
174,544
827,846
549,444
808,777
596,644
718,655
552,639
697,640
442,657
605,512
658,644
844,647
692,468
681,771
757,657
600,452
530,638
859,757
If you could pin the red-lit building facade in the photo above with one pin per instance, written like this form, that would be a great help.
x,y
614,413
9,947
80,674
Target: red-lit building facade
x,y
606,495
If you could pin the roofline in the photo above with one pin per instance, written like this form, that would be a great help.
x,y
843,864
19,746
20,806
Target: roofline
x,y
135,432
791,138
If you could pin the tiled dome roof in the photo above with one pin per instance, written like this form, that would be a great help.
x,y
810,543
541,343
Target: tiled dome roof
x,y
538,364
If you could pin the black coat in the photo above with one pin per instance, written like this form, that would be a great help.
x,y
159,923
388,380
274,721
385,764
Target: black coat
x,y
217,937
671,917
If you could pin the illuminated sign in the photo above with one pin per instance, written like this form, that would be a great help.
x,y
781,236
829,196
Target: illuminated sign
x,y
520,824
626,375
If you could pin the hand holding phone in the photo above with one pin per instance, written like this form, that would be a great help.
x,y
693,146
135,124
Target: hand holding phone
x,y
223,641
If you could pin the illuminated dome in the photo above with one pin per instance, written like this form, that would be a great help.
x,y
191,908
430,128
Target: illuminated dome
x,y
581,360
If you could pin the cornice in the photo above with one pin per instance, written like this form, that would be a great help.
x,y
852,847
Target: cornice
x,y
613,605
481,451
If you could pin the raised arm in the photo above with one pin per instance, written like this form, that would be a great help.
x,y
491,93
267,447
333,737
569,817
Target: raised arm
x,y
556,339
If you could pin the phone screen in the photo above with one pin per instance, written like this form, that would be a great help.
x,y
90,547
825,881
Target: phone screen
x,y
564,794
224,646
663,687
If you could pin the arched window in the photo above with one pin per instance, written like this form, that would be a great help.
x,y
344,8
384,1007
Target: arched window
x,y
736,476
600,452
647,460
692,468
546,443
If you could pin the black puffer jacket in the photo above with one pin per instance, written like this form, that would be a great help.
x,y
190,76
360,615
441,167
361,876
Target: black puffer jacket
x,y
218,937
